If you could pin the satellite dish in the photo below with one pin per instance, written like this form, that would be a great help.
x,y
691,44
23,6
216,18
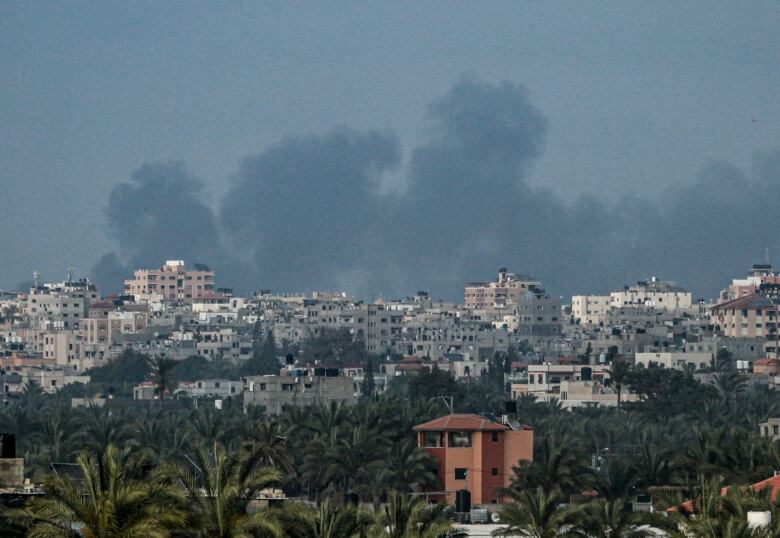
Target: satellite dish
x,y
495,517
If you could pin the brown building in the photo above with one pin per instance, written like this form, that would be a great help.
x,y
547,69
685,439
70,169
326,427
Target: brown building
x,y
749,316
505,291
475,453
173,282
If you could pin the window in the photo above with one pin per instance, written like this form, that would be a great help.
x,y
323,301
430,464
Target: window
x,y
433,439
262,386
494,471
460,440
494,437
460,473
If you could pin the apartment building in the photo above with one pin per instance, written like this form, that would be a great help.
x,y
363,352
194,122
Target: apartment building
x,y
499,294
760,275
475,453
539,315
173,282
60,305
298,388
590,309
653,292
749,316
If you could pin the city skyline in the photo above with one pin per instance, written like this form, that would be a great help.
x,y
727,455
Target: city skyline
x,y
642,140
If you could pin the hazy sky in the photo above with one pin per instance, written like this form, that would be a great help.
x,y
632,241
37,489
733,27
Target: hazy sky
x,y
638,98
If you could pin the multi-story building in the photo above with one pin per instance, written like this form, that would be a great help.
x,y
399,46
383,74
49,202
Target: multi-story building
x,y
475,453
653,292
590,309
60,305
539,315
761,275
749,316
298,388
501,293
173,282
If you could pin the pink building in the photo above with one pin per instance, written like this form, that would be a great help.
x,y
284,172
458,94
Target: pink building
x,y
173,282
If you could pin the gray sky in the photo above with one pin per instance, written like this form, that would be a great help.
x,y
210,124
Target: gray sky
x,y
638,97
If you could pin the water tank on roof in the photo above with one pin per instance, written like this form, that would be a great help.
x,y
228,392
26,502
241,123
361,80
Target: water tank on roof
x,y
759,519
602,358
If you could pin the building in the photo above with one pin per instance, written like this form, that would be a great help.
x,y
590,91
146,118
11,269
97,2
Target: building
x,y
211,388
173,283
299,388
761,276
538,315
767,366
475,453
590,309
749,316
61,305
653,292
770,429
501,293
677,360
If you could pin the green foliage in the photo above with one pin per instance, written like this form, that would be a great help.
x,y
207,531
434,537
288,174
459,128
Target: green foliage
x,y
129,368
334,347
265,357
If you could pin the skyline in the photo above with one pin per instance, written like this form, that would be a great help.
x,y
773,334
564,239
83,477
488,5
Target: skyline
x,y
644,142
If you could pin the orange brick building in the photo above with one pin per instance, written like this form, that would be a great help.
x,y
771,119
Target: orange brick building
x,y
474,453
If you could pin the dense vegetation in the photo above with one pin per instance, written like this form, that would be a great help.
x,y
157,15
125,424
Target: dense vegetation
x,y
682,441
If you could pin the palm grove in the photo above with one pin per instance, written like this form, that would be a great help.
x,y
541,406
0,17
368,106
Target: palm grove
x,y
190,470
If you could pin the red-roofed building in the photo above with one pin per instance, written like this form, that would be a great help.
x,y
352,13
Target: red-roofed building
x,y
474,453
766,366
689,507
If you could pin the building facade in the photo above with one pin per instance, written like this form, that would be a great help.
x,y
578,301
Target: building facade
x,y
173,282
475,453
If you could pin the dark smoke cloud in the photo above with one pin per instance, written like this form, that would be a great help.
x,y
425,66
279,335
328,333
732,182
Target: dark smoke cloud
x,y
310,213
158,215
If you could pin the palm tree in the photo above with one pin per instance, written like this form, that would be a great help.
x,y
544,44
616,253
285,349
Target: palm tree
x,y
404,517
162,375
221,489
618,373
409,466
617,481
269,439
102,428
114,499
607,519
55,433
327,521
556,466
535,513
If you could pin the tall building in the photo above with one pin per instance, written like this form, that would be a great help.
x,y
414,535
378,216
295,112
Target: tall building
x,y
60,305
652,293
475,453
760,280
505,291
173,283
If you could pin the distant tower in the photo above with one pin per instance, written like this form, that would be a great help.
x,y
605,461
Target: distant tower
x,y
71,270
766,255
35,278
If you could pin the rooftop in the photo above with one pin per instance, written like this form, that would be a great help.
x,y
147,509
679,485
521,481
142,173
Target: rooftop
x,y
461,422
